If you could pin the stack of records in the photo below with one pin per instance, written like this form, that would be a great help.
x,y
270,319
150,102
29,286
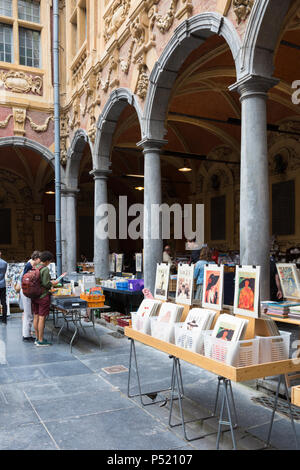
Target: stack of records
x,y
295,312
200,318
279,309
170,313
148,308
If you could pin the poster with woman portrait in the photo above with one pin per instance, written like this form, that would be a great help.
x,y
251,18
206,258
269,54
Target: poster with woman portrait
x,y
289,280
213,283
185,284
139,262
162,281
246,291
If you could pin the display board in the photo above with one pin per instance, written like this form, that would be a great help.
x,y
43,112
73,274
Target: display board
x,y
246,291
185,284
119,263
213,287
139,262
112,263
162,281
13,277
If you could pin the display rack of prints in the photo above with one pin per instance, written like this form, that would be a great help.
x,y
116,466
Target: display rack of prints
x,y
229,328
112,263
139,262
185,284
162,281
52,269
13,277
119,263
213,283
289,280
246,291
188,334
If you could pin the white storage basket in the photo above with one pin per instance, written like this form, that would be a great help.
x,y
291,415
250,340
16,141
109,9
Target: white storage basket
x,y
191,339
141,324
274,348
237,353
162,330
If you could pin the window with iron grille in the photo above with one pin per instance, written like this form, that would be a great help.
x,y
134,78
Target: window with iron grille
x,y
29,10
29,43
6,7
5,43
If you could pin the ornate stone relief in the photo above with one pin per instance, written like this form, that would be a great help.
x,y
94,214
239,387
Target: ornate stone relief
x,y
20,82
242,9
109,82
75,121
164,22
4,123
114,17
64,134
40,127
142,82
19,121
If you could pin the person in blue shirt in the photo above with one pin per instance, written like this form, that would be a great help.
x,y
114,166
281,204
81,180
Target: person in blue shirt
x,y
27,321
3,269
204,258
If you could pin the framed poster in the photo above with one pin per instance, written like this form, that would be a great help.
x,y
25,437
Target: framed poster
x,y
162,281
185,284
112,263
289,279
12,278
119,263
246,291
213,283
139,262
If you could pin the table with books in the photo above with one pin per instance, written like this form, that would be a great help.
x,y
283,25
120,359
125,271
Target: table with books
x,y
235,348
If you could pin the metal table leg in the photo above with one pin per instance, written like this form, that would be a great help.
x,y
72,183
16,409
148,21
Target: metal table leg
x,y
153,394
178,385
280,379
226,384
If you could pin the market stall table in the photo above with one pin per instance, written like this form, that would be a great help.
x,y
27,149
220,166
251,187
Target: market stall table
x,y
73,314
225,374
123,299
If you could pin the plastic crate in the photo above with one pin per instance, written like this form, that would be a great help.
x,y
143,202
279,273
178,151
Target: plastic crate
x,y
162,330
237,353
139,323
123,321
274,348
193,340
93,297
122,285
135,284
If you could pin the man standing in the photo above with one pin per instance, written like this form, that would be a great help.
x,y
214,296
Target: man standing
x,y
3,268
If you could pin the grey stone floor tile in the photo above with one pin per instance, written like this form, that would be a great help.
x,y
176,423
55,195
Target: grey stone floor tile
x,y
282,436
6,375
80,404
27,373
31,437
12,415
64,368
123,429
18,393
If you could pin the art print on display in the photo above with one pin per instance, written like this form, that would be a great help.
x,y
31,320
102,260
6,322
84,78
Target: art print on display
x,y
185,284
112,263
12,278
162,281
119,263
139,262
289,280
246,292
213,287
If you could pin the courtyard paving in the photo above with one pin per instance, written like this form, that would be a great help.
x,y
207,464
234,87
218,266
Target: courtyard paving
x,y
52,399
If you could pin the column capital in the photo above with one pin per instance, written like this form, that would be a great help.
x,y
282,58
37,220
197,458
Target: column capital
x,y
100,174
254,85
150,145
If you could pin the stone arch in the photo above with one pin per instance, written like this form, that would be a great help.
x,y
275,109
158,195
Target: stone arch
x,y
107,122
74,156
45,153
261,37
188,36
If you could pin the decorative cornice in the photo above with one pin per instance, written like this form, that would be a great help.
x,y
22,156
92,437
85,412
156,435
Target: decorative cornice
x,y
251,85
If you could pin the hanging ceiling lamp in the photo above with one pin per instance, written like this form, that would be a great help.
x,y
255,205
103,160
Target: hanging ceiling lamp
x,y
185,168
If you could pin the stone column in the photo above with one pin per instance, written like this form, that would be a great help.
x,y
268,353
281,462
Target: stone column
x,y
63,229
70,229
153,248
101,246
254,195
